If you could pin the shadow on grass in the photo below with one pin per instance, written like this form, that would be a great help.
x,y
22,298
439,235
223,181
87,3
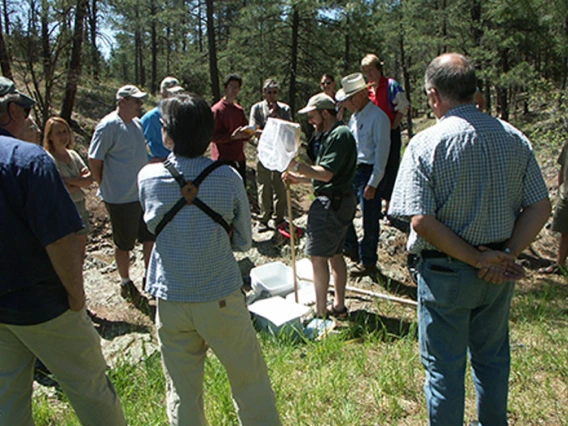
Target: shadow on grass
x,y
362,322
109,329
397,288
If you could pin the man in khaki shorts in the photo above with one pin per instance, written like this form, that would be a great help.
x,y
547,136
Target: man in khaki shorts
x,y
116,155
560,218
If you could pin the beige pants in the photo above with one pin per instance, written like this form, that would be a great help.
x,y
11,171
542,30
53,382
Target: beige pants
x,y
268,184
185,330
70,347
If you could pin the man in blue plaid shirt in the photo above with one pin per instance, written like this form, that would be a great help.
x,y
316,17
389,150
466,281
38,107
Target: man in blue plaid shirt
x,y
475,196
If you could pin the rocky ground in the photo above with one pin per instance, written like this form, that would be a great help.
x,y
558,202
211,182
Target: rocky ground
x,y
127,331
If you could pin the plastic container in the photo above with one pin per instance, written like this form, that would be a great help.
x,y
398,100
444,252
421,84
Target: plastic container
x,y
277,315
275,278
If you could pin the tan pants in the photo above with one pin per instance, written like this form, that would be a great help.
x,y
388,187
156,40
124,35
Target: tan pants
x,y
268,184
185,330
70,347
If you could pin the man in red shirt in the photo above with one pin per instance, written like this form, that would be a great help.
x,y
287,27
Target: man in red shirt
x,y
231,131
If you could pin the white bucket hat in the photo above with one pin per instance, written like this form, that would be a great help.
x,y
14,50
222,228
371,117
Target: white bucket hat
x,y
351,84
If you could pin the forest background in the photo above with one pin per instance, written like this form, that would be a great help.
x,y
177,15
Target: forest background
x,y
519,47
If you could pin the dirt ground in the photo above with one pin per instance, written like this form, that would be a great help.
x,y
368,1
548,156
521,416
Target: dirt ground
x,y
115,317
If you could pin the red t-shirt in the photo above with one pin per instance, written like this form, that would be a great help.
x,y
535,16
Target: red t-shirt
x,y
228,117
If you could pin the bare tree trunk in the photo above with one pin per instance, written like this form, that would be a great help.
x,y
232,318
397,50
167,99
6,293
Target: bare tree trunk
x,y
6,17
4,57
74,71
406,77
502,92
95,56
154,47
294,54
213,70
47,62
347,53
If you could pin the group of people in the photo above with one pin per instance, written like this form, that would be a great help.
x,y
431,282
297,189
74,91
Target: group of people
x,y
470,186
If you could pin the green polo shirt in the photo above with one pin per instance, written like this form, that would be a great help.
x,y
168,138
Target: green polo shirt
x,y
338,154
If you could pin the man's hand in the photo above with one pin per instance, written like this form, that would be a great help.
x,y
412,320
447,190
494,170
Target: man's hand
x,y
291,177
369,193
241,133
497,266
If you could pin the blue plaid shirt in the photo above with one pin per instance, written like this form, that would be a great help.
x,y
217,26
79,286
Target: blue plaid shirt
x,y
471,171
192,259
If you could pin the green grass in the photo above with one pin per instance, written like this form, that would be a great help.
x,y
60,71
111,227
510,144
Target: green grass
x,y
364,375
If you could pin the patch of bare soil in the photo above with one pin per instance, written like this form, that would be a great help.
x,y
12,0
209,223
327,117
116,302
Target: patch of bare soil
x,y
115,317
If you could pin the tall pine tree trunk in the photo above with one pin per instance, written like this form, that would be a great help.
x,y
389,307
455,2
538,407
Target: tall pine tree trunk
x,y
74,71
213,70
93,35
294,62
4,57
154,47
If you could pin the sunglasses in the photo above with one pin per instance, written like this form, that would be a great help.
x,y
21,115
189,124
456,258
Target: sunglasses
x,y
326,83
272,92
26,109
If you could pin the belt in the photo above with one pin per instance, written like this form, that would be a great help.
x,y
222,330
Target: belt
x,y
334,194
435,254
364,166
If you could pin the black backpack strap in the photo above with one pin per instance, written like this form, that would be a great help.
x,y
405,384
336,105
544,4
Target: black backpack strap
x,y
198,203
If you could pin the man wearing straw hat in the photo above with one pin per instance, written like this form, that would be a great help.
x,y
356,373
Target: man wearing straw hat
x,y
334,206
371,128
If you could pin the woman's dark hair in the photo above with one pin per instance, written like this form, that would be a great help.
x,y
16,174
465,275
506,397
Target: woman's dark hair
x,y
187,119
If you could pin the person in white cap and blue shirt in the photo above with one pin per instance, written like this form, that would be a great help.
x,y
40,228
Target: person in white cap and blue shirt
x,y
371,129
151,121
116,155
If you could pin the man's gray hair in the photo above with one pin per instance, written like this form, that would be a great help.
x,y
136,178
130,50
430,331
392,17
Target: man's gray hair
x,y
453,76
7,100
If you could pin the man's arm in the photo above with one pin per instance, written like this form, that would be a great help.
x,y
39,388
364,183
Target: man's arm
x,y
65,255
561,176
397,119
381,132
495,266
96,169
528,225
309,172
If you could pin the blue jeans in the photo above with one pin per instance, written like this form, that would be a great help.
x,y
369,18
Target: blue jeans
x,y
458,312
371,210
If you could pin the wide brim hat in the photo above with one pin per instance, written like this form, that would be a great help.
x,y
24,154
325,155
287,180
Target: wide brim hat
x,y
7,87
320,101
351,84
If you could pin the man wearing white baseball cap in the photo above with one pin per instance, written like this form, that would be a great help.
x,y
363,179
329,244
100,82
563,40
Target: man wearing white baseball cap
x,y
371,129
151,121
116,155
334,206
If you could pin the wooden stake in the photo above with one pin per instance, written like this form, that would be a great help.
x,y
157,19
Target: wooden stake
x,y
292,239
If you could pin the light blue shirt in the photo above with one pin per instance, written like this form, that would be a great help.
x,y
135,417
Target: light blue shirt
x,y
192,259
122,148
153,133
471,171
371,129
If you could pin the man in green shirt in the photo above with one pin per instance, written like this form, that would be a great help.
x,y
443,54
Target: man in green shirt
x,y
334,206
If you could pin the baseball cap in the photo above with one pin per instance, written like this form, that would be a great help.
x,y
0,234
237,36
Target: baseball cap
x,y
270,83
7,87
171,84
320,101
130,91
